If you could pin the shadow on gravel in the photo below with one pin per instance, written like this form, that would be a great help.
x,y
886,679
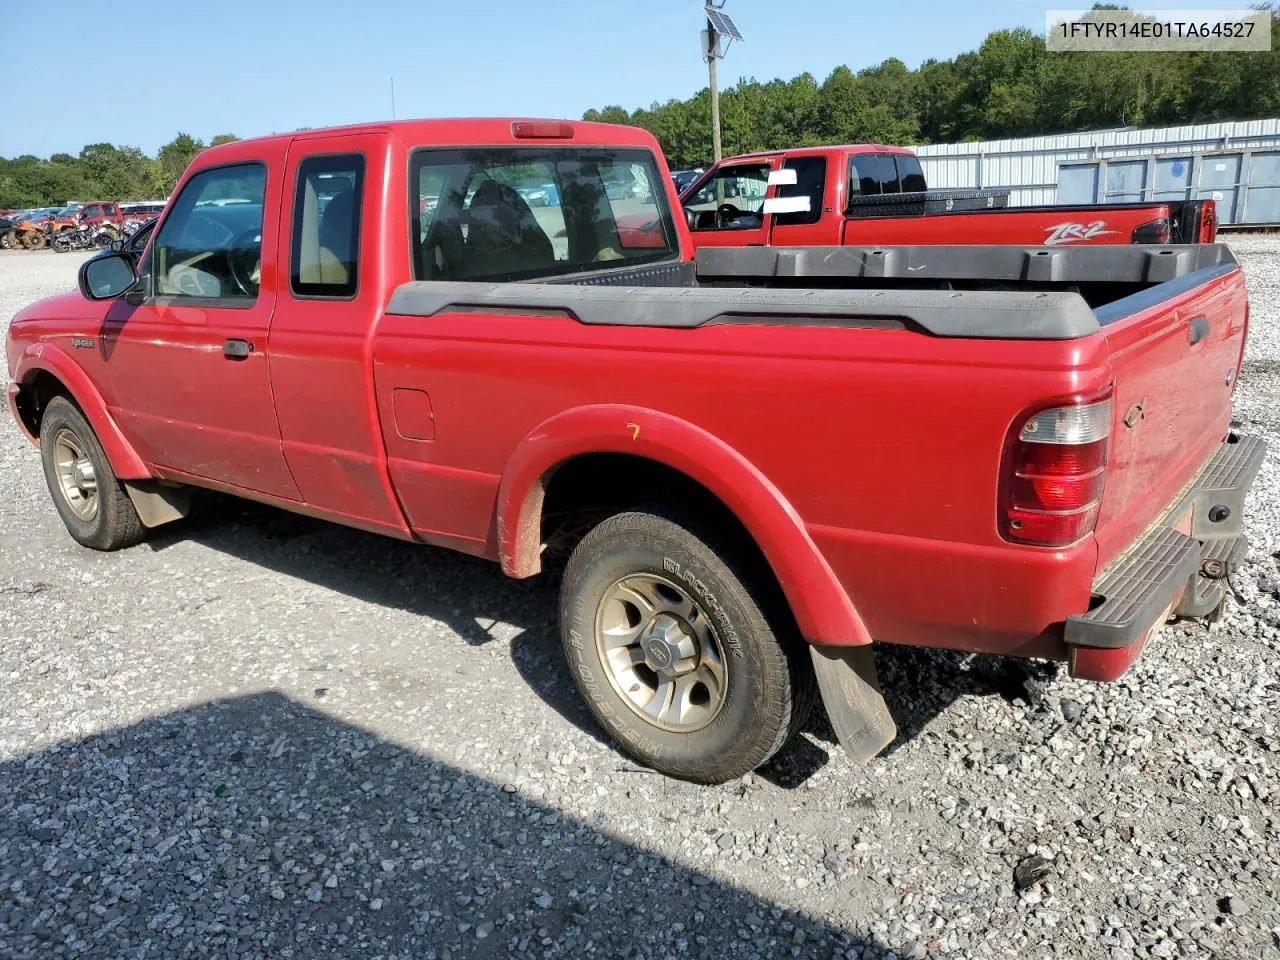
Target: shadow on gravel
x,y
259,827
464,591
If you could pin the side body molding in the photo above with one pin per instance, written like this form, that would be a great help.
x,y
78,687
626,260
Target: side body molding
x,y
821,606
42,356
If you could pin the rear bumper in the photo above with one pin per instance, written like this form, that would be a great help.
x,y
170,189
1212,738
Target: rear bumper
x,y
1177,566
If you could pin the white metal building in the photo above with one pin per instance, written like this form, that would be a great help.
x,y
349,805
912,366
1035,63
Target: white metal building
x,y
1237,164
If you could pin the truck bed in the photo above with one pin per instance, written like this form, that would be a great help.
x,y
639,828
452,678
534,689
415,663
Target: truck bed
x,y
1032,293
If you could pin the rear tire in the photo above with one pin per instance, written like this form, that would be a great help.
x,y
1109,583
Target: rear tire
x,y
92,503
8,240
61,244
648,605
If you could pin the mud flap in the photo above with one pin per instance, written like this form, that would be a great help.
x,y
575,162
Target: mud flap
x,y
157,503
851,693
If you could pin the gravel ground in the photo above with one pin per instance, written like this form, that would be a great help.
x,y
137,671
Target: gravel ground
x,y
262,736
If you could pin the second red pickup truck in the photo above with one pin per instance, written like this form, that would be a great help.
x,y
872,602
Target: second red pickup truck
x,y
876,194
762,462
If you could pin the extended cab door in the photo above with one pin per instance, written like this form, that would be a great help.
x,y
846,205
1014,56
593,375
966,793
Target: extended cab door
x,y
728,208
188,356
332,281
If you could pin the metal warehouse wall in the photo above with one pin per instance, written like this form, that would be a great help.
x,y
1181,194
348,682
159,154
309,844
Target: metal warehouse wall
x,y
1237,164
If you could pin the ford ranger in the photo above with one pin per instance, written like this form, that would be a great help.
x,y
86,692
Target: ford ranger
x,y
760,462
876,194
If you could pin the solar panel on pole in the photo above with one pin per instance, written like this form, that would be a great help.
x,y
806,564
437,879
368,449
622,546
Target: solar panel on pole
x,y
722,23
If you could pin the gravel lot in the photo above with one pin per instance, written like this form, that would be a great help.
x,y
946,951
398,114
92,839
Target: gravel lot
x,y
263,736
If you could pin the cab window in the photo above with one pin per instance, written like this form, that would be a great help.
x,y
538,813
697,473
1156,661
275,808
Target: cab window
x,y
211,244
864,175
731,199
515,213
811,175
325,259
910,174
888,172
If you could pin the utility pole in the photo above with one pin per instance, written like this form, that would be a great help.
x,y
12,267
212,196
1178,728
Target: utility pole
x,y
718,25
713,41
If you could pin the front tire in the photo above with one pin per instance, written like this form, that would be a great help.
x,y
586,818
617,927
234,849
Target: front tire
x,y
672,651
92,503
34,240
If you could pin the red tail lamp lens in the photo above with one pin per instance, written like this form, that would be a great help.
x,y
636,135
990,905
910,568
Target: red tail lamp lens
x,y
1055,471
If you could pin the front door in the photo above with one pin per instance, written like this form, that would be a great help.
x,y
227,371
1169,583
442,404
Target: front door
x,y
188,357
728,208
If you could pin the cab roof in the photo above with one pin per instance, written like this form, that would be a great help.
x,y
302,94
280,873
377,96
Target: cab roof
x,y
821,151
482,131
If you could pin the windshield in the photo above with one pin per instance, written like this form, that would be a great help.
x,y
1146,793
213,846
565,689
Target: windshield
x,y
516,213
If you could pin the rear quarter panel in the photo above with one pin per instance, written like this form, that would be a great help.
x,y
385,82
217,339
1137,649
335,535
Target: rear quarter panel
x,y
887,443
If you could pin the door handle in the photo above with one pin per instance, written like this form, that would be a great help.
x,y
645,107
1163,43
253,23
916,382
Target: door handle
x,y
236,349
1197,330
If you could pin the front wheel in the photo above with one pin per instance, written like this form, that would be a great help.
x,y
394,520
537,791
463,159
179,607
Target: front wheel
x,y
34,240
91,501
673,653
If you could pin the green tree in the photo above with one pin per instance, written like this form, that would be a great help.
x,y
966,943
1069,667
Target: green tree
x,y
173,158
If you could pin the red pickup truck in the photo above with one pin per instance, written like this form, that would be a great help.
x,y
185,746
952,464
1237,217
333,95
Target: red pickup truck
x,y
97,212
760,461
876,194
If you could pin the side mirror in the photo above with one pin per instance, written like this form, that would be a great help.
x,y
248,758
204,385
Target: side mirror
x,y
107,276
690,217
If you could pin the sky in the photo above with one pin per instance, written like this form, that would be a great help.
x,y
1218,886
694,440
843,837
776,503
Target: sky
x,y
253,67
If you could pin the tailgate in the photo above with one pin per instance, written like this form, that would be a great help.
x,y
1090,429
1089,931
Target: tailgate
x,y
1175,351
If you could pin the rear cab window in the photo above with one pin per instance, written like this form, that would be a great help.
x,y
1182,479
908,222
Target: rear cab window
x,y
910,174
864,175
523,213
873,174
325,249
888,173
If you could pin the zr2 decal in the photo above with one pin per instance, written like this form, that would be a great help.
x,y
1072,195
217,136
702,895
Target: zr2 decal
x,y
1072,232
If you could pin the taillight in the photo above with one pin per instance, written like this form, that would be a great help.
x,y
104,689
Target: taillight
x,y
1208,222
1054,469
1156,231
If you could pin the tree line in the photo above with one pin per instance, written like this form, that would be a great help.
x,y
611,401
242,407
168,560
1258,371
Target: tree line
x,y
102,171
1012,86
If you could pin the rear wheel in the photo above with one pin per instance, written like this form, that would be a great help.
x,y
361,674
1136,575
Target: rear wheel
x,y
61,243
92,503
673,652
8,240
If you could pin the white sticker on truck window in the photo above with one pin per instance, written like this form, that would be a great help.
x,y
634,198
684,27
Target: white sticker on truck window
x,y
782,178
787,205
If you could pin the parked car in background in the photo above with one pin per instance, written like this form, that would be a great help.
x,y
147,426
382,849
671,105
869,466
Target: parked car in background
x,y
142,210
97,212
682,178
877,194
